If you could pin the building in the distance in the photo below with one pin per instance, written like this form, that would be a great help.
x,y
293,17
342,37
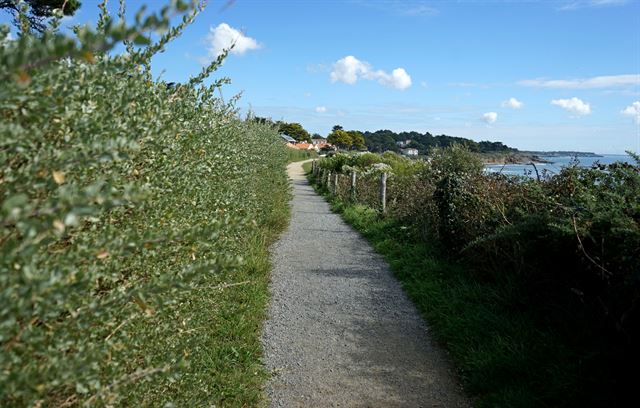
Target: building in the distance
x,y
318,140
289,139
409,151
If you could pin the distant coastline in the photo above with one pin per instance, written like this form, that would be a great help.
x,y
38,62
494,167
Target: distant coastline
x,y
562,154
528,157
512,158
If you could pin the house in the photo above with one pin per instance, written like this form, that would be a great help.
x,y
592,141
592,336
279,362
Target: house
x,y
317,143
318,140
289,139
403,143
409,152
305,146
323,145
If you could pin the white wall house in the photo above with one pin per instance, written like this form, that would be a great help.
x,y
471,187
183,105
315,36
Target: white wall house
x,y
409,152
319,140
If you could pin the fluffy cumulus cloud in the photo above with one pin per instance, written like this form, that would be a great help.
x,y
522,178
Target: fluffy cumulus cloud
x,y
574,105
349,69
490,117
608,81
224,36
512,103
633,111
321,109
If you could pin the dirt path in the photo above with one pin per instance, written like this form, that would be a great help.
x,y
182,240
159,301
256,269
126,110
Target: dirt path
x,y
341,332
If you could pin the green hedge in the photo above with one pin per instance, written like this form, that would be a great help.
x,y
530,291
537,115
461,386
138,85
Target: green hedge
x,y
135,218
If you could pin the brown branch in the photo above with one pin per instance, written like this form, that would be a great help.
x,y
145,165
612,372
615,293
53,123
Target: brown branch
x,y
605,272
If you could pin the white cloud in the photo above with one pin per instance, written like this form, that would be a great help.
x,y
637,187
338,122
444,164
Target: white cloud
x,y
420,10
512,103
224,36
349,69
633,111
321,109
585,83
490,117
578,4
404,8
573,105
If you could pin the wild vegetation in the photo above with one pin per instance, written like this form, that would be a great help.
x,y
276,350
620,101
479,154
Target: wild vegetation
x,y
532,285
134,223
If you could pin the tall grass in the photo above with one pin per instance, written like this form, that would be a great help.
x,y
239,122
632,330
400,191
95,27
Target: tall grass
x,y
295,155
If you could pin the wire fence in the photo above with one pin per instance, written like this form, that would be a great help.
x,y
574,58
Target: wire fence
x,y
402,197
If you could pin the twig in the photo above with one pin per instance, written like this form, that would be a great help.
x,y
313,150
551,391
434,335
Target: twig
x,y
602,268
536,169
227,285
117,328
70,402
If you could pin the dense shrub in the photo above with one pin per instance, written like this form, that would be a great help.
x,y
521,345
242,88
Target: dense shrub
x,y
128,205
563,249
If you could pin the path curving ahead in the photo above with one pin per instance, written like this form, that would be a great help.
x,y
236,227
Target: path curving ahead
x,y
341,332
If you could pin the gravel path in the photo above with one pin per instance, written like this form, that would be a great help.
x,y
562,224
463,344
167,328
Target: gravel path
x,y
341,332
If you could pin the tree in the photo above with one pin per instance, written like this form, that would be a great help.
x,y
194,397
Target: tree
x,y
39,10
340,138
263,121
295,130
337,127
357,139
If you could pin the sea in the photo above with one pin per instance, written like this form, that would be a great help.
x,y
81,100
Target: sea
x,y
557,162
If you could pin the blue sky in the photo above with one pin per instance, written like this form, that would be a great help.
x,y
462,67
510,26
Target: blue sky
x,y
534,74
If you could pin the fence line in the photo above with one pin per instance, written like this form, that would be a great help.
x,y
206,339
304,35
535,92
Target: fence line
x,y
352,187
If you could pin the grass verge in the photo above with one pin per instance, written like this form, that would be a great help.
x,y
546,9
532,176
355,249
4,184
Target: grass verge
x,y
306,167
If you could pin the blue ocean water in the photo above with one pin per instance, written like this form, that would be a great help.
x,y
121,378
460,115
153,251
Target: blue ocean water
x,y
557,163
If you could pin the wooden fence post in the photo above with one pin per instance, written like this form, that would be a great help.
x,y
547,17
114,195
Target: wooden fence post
x,y
353,185
335,184
383,192
313,167
328,182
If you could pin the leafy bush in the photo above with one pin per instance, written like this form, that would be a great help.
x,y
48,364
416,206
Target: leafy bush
x,y
563,249
128,206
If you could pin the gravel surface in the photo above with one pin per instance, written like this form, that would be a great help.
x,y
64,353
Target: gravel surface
x,y
341,332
